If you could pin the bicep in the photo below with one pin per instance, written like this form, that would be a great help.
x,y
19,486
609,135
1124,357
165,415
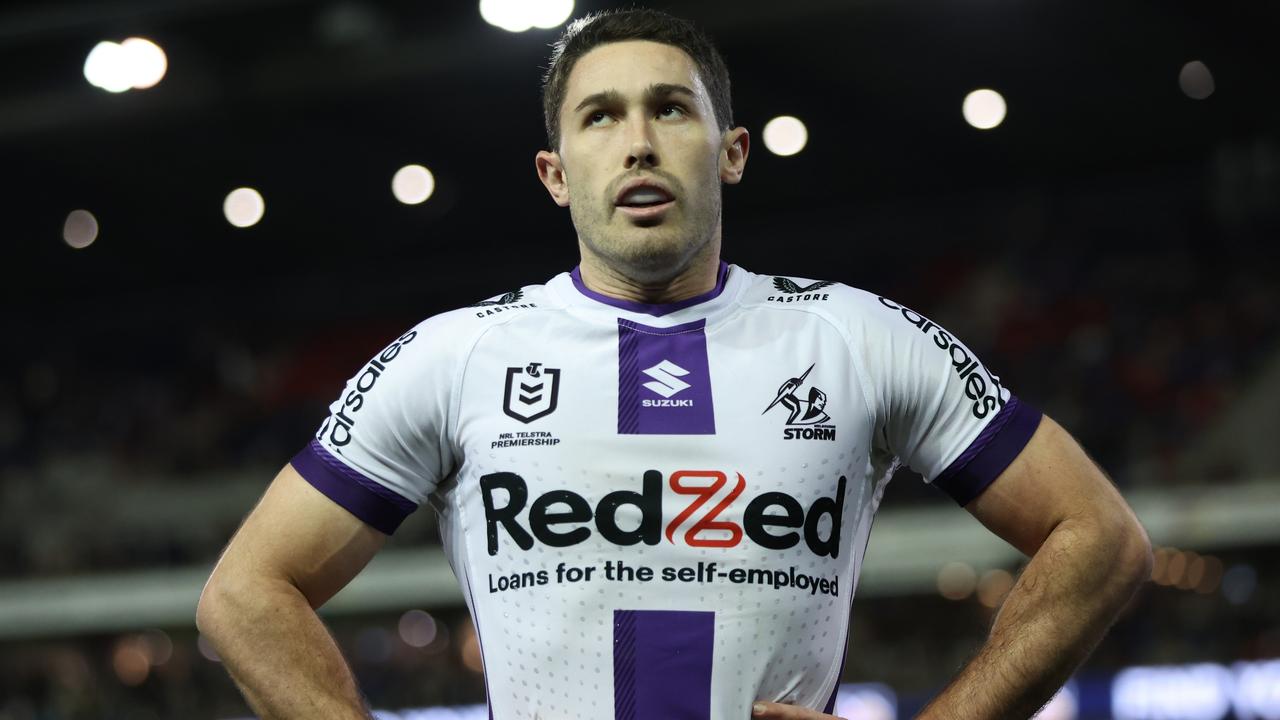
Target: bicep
x,y
298,535
1050,481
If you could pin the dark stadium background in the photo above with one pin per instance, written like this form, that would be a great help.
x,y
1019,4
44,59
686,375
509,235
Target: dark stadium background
x,y
1109,249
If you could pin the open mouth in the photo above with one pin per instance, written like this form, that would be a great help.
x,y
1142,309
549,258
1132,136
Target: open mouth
x,y
645,201
646,210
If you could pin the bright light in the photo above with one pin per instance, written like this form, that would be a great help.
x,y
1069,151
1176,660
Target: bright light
x,y
105,68
1062,706
869,701
159,646
785,135
206,649
417,628
520,15
136,63
80,229
146,62
1183,692
470,649
1196,80
956,580
984,109
243,207
547,14
130,661
413,184
994,586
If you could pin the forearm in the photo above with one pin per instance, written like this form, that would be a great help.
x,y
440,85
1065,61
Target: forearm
x,y
279,653
1061,606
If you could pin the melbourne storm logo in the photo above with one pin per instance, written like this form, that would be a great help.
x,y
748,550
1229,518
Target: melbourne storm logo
x,y
808,418
533,395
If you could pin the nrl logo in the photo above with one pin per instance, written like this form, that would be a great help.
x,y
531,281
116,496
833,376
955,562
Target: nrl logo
x,y
531,392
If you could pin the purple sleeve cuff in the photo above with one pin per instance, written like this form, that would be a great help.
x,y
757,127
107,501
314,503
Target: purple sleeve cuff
x,y
990,453
371,502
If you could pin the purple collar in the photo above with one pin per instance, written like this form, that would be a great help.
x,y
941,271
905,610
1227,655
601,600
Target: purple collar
x,y
654,309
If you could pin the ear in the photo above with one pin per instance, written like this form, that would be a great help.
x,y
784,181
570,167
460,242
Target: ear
x,y
733,155
551,173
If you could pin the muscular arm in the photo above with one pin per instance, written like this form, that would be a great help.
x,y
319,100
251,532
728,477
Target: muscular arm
x,y
294,551
1088,556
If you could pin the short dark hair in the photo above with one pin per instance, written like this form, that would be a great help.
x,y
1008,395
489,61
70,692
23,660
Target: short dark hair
x,y
586,33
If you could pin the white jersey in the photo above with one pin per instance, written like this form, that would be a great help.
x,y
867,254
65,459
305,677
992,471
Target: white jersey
x,y
660,511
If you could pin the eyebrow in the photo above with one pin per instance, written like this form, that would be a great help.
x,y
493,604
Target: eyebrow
x,y
653,93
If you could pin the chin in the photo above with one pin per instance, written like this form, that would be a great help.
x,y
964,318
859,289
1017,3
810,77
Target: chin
x,y
654,260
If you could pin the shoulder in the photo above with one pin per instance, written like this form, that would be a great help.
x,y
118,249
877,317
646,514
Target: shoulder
x,y
449,336
480,315
845,305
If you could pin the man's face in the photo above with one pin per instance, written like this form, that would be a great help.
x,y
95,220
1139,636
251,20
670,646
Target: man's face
x,y
638,112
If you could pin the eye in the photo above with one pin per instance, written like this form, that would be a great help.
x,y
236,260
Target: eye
x,y
595,117
663,112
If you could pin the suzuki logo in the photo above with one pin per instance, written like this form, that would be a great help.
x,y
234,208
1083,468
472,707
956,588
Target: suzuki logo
x,y
666,375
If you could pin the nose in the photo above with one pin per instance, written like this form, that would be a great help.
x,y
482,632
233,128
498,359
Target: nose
x,y
641,151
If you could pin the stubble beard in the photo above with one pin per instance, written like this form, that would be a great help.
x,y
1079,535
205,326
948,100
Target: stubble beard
x,y
653,255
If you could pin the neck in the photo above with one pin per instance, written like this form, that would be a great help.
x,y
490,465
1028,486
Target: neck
x,y
697,278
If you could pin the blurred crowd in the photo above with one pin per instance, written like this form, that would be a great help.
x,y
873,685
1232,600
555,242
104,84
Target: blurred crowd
x,y
141,440
404,660
420,659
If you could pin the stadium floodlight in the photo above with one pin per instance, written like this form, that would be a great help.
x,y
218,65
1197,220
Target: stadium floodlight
x,y
984,108
244,207
146,62
106,68
1195,80
785,135
520,15
135,64
413,184
547,14
80,229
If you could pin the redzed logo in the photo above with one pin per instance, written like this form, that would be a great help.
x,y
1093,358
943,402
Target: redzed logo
x,y
708,521
774,520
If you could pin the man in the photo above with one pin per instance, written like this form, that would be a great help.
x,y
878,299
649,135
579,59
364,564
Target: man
x,y
656,475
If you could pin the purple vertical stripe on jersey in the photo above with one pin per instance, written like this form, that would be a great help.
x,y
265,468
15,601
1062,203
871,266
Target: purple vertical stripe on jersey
x,y
654,309
624,665
642,353
991,452
628,387
662,664
362,497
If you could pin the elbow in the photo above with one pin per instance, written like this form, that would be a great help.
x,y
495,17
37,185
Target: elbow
x,y
209,608
1133,555
222,603
232,602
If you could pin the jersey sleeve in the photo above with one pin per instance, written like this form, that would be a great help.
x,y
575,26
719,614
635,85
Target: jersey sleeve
x,y
938,408
385,444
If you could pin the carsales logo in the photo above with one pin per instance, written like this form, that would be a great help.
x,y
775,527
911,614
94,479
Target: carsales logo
x,y
342,421
561,518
